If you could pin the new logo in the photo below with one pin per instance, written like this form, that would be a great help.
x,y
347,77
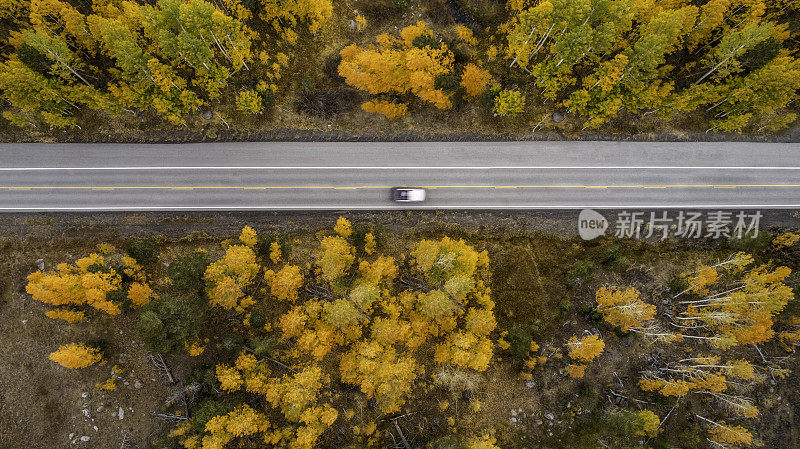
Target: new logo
x,y
591,224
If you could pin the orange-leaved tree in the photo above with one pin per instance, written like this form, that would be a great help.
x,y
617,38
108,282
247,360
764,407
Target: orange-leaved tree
x,y
76,355
87,283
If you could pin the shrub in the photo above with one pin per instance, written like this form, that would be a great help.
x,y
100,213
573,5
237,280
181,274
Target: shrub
x,y
187,272
263,347
359,234
262,247
167,324
677,285
206,409
231,343
509,103
520,340
751,244
249,101
580,272
401,6
613,260
145,251
258,320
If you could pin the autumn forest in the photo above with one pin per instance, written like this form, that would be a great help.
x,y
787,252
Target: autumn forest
x,y
69,67
355,335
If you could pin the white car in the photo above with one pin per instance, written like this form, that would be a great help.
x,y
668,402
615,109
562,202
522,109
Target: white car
x,y
408,194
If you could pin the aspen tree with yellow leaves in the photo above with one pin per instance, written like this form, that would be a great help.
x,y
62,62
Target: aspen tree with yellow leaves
x,y
86,283
732,301
284,284
227,278
623,308
76,355
583,350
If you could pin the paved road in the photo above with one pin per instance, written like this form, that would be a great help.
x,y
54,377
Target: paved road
x,y
348,175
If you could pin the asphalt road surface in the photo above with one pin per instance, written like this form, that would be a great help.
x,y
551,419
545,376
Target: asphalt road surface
x,y
349,175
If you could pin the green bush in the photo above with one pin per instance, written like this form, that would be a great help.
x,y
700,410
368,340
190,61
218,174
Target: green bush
x,y
588,310
424,40
617,427
206,409
751,244
167,324
231,343
98,268
677,285
449,82
258,321
359,234
187,272
205,375
520,339
611,259
580,272
263,347
262,246
145,251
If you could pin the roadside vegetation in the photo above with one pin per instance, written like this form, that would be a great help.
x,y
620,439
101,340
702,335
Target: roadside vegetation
x,y
354,336
73,68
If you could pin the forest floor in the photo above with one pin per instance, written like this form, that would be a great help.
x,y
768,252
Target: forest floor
x,y
43,405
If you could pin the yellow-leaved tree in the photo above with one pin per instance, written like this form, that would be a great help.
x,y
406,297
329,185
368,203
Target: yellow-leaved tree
x,y
227,278
623,308
285,283
583,350
76,355
86,283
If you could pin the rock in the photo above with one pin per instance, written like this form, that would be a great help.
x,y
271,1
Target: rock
x,y
85,395
569,404
40,264
121,413
539,422
352,25
137,384
100,408
85,438
513,413
558,117
24,321
549,416
513,420
530,384
95,428
71,435
208,115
